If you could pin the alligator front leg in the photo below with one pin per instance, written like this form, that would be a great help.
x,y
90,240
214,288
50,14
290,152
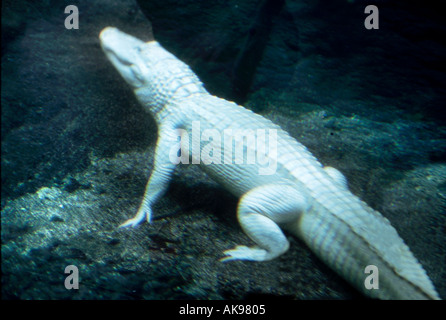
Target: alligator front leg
x,y
260,212
163,169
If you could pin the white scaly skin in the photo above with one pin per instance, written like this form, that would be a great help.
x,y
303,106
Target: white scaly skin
x,y
301,196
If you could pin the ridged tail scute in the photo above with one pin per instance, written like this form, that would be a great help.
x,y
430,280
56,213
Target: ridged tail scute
x,y
348,235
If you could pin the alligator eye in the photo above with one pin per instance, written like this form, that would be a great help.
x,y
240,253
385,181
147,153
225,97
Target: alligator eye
x,y
137,73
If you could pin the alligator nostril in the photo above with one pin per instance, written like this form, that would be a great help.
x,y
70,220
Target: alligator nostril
x,y
105,30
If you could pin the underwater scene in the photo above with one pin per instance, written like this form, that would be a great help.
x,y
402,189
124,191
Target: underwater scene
x,y
105,104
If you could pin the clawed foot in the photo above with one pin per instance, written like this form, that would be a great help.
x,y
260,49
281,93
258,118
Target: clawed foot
x,y
244,253
131,223
143,213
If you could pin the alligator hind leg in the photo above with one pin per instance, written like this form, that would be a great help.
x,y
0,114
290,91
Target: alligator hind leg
x,y
260,211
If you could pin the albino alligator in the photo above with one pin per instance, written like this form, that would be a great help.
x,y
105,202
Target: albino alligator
x,y
294,192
